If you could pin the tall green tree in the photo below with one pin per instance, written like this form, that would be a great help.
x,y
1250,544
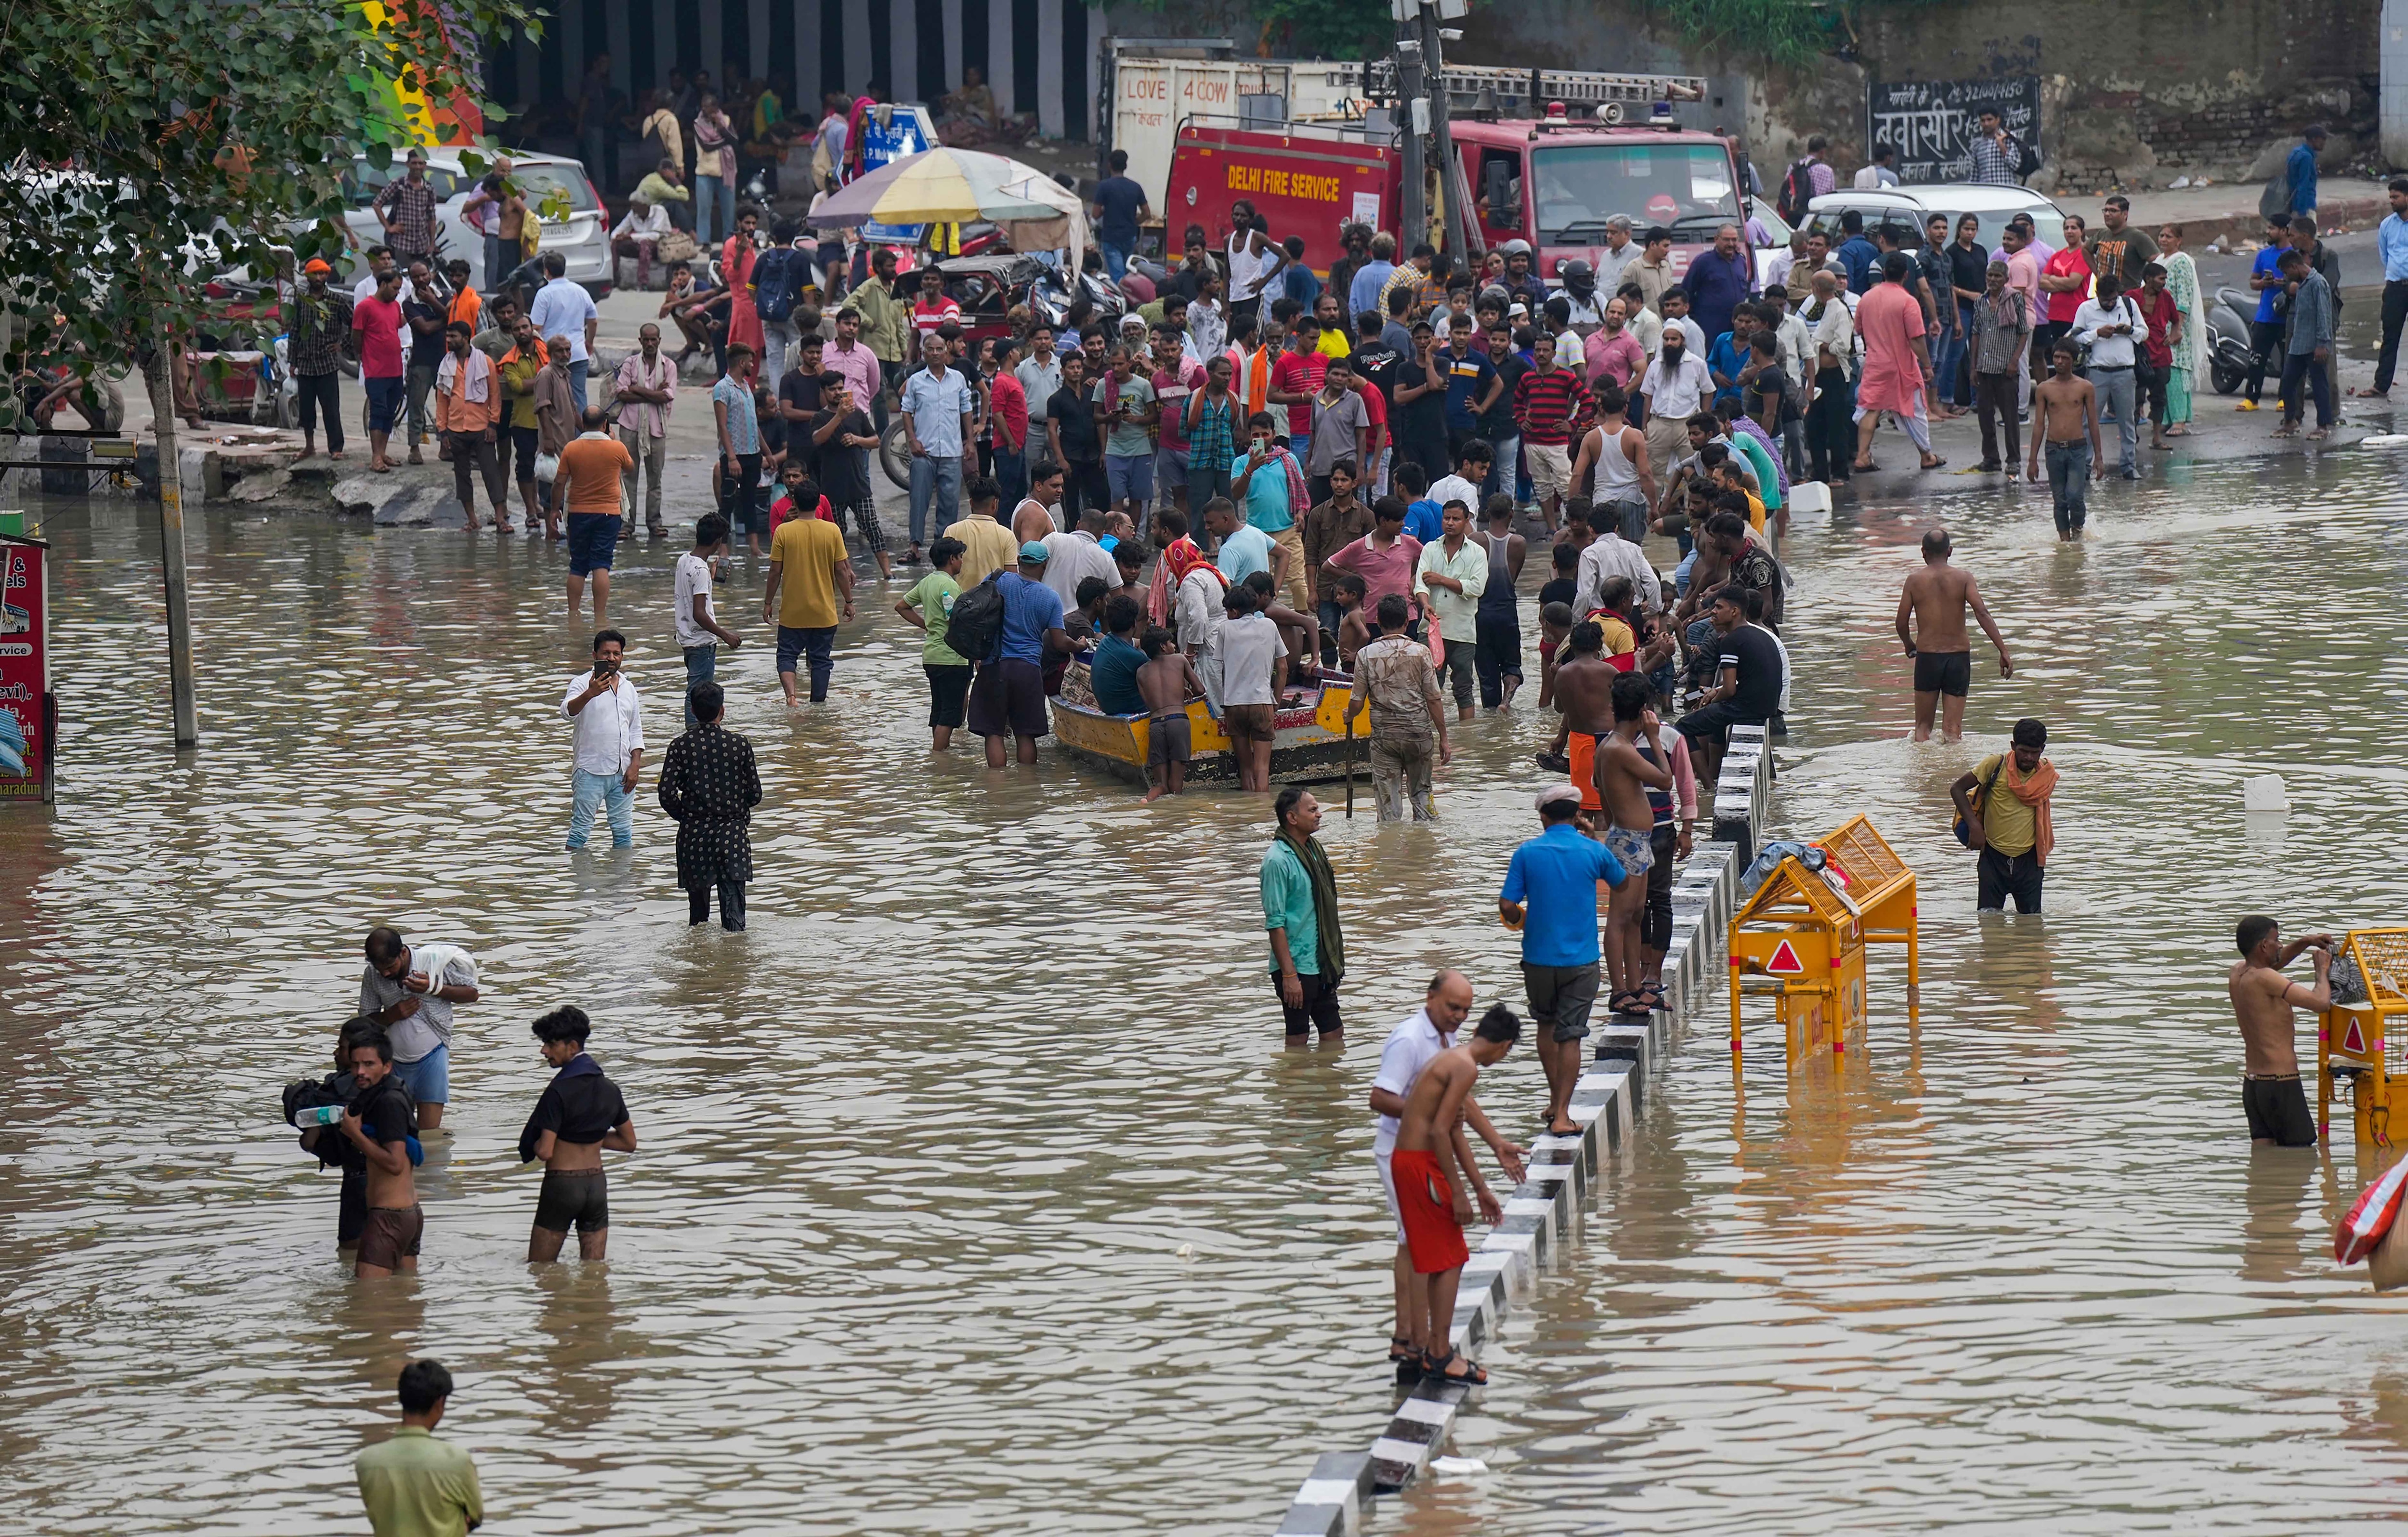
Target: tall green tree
x,y
161,142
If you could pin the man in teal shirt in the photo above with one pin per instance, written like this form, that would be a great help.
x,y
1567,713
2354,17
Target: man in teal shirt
x,y
1113,671
416,1484
1300,912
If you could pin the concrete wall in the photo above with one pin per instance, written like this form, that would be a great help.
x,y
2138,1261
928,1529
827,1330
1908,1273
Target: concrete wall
x,y
2148,91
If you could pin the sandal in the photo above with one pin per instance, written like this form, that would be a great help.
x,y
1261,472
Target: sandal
x,y
1406,1359
1652,994
1436,1366
1620,1003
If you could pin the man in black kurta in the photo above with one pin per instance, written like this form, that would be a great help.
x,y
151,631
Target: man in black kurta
x,y
709,787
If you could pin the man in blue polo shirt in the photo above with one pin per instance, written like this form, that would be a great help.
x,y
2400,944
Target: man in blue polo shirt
x,y
1550,895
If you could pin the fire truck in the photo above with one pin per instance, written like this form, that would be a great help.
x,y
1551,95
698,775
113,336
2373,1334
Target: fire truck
x,y
1548,155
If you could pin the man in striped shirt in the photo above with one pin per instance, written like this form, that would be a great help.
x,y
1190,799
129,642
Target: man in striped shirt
x,y
1549,402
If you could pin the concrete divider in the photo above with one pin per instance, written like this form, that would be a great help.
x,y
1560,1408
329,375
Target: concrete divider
x,y
1544,1214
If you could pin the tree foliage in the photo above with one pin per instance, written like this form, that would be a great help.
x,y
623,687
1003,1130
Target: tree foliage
x,y
160,143
1337,29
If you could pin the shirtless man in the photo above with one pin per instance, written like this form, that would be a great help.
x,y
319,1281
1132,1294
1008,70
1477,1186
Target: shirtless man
x,y
2262,1000
2065,417
1167,682
1033,519
580,1112
379,1122
1433,1170
1623,774
1937,597
1584,694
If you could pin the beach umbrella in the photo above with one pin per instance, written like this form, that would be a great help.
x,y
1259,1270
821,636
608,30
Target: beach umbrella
x,y
950,186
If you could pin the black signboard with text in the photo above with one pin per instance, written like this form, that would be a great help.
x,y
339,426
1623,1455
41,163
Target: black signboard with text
x,y
1932,122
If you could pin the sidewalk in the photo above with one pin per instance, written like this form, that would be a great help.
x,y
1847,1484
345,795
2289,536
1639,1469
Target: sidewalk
x,y
2230,209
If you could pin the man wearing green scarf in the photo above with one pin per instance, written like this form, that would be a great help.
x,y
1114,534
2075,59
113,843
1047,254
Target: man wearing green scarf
x,y
1300,911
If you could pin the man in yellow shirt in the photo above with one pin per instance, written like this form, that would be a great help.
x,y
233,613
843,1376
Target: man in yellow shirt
x,y
2011,827
417,1485
988,546
807,558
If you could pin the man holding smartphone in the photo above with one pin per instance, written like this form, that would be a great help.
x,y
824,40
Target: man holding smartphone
x,y
609,744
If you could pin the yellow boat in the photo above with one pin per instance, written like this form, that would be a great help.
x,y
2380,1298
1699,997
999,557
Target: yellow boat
x,y
1308,743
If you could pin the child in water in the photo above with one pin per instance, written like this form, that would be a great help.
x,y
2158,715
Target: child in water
x,y
1167,682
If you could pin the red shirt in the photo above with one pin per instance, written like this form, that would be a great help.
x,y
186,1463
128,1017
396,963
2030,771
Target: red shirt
x,y
1007,413
2069,261
926,318
1299,373
379,323
2160,314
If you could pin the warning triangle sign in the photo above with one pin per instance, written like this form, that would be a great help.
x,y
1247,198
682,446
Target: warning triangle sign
x,y
2352,1040
1784,961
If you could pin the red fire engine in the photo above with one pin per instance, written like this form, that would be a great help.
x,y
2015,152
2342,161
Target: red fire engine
x,y
1601,145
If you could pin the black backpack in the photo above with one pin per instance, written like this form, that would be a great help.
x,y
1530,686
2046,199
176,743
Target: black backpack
x,y
975,630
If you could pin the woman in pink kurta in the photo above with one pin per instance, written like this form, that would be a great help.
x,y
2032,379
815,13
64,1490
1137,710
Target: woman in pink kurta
x,y
1889,318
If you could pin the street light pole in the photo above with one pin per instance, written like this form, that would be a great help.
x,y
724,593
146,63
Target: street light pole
x,y
1412,118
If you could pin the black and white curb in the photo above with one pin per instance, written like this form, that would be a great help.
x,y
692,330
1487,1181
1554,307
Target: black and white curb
x,y
1543,1216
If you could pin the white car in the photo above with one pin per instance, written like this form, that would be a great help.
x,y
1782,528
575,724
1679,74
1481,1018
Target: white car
x,y
1910,205
583,237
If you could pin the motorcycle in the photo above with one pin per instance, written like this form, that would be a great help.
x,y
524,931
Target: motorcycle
x,y
2229,355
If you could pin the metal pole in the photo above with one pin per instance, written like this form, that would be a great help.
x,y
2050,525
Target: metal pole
x,y
155,373
1450,170
1414,219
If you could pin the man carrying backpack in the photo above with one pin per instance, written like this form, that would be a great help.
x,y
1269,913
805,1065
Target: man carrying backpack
x,y
1008,697
778,276
1808,179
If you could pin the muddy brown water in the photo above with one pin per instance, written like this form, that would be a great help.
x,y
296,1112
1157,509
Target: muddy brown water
x,y
902,1246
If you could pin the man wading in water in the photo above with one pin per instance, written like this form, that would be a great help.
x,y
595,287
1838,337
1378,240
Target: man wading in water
x,y
1937,597
2262,1000
580,1113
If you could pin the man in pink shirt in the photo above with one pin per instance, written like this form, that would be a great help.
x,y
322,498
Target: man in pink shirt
x,y
1176,376
1387,559
376,322
2018,251
851,356
1897,361
1612,352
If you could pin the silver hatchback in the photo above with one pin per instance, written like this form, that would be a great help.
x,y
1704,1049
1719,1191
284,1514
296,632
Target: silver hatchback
x,y
584,237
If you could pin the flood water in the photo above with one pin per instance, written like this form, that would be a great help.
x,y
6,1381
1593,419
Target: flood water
x,y
902,1248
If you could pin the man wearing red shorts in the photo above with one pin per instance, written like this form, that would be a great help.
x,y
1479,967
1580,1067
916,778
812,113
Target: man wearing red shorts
x,y
1433,1170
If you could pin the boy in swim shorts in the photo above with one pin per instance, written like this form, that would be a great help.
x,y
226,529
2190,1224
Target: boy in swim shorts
x,y
1166,682
1623,776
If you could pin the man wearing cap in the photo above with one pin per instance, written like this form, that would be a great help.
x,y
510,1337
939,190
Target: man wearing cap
x,y
1550,896
406,209
1008,697
318,326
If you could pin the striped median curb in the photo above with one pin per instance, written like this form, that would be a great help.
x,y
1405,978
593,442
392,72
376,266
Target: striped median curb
x,y
1543,1215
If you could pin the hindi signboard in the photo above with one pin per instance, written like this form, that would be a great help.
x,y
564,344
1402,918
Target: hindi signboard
x,y
1930,121
889,133
25,711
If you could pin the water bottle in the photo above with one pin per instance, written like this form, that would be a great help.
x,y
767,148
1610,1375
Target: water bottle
x,y
317,1116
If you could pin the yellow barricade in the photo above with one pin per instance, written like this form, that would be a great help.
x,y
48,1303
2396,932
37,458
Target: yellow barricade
x,y
1801,938
2366,1043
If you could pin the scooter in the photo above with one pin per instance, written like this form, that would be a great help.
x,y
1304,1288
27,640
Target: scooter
x,y
2228,357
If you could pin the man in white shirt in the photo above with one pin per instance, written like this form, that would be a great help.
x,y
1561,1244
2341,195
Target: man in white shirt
x,y
2108,322
700,633
563,308
1609,555
1778,264
1417,1039
1620,252
638,235
609,744
1677,386
1254,669
1072,557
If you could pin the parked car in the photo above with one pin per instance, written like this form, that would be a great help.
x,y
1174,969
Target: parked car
x,y
1910,205
584,237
